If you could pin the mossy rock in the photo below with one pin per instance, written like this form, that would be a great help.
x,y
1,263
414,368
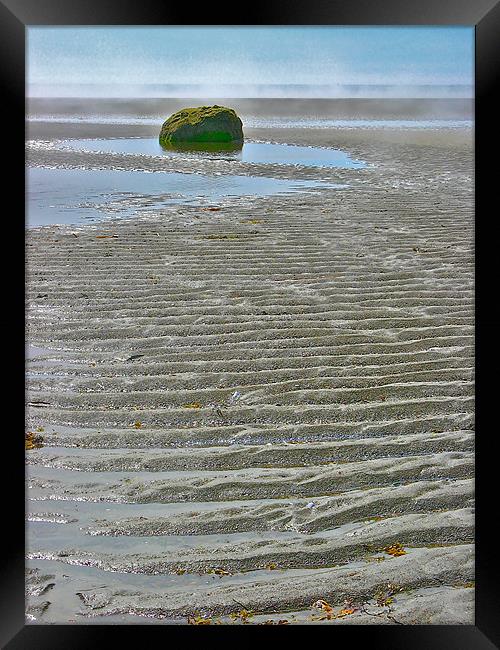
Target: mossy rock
x,y
204,124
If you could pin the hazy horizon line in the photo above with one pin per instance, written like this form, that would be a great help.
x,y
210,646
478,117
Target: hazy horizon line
x,y
253,91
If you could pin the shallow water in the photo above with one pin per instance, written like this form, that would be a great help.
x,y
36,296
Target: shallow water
x,y
319,123
251,152
75,196
255,122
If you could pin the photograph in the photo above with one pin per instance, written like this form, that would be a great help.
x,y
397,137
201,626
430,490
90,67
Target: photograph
x,y
250,325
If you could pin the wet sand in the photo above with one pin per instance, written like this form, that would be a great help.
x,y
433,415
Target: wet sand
x,y
342,318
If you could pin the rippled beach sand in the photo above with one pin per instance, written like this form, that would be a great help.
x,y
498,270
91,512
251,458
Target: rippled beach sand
x,y
257,403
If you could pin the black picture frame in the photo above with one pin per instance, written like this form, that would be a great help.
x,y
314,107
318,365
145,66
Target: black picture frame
x,y
15,16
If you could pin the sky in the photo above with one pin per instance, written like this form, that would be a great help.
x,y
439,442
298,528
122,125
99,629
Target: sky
x,y
213,57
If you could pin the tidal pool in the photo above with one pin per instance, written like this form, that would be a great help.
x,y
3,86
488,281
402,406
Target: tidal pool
x,y
250,152
76,196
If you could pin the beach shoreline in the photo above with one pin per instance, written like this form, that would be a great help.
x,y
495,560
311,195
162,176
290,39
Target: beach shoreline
x,y
281,380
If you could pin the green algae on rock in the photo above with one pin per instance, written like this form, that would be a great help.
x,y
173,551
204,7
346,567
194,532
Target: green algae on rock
x,y
204,124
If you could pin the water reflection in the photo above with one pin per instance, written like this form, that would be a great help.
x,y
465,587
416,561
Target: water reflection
x,y
203,147
77,195
248,152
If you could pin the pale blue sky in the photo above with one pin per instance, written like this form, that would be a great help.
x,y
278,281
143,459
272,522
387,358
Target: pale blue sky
x,y
255,55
